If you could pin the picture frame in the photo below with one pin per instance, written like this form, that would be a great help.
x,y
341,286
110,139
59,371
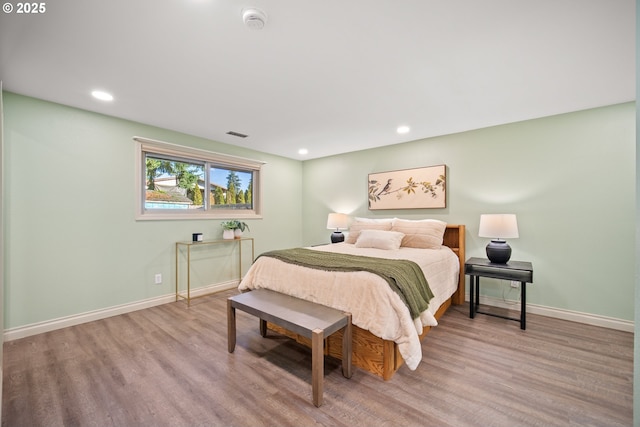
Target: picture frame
x,y
419,188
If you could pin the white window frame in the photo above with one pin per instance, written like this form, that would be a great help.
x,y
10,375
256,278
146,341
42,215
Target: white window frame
x,y
146,146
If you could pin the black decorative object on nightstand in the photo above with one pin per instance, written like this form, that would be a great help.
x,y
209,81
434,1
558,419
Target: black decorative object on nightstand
x,y
520,271
337,237
498,251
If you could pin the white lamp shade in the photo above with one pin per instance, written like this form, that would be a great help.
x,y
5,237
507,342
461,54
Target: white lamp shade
x,y
337,221
498,226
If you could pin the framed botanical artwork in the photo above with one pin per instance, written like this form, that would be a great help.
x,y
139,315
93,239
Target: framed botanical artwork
x,y
421,188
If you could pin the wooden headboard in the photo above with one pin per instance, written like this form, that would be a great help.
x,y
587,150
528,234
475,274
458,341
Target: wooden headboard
x,y
454,237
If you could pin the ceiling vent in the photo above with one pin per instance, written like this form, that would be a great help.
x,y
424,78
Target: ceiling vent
x,y
254,18
238,134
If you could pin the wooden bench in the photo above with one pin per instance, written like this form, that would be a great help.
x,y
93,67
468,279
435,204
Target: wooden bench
x,y
313,321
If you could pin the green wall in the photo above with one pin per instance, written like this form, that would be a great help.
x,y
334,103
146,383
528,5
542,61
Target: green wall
x,y
569,178
72,243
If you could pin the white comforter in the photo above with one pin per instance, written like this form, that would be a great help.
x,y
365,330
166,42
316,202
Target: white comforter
x,y
374,306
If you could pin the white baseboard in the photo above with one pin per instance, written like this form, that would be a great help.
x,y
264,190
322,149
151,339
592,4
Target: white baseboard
x,y
90,316
558,313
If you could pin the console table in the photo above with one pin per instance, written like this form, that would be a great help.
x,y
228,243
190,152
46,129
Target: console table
x,y
182,246
520,271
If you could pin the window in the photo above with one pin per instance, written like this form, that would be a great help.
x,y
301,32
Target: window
x,y
175,182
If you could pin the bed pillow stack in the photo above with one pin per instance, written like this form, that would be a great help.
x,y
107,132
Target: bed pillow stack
x,y
360,224
424,234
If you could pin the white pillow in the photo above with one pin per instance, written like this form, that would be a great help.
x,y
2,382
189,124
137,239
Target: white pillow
x,y
360,224
425,233
379,239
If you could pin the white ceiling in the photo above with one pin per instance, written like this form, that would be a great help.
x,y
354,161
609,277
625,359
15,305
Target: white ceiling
x,y
331,76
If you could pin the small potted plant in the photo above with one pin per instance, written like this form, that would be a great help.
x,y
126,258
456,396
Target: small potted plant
x,y
233,229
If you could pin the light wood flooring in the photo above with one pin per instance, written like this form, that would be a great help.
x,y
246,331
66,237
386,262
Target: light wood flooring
x,y
169,366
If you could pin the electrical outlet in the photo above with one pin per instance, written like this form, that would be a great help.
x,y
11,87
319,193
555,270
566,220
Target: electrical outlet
x,y
158,279
515,284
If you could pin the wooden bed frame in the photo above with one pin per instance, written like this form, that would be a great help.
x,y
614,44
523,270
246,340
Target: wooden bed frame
x,y
372,353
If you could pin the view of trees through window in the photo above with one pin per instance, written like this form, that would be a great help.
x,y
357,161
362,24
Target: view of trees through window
x,y
180,184
238,191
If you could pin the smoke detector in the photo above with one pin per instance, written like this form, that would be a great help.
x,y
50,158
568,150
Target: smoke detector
x,y
254,18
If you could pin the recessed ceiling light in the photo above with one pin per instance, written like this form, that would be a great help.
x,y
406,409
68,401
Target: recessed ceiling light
x,y
403,129
102,95
303,151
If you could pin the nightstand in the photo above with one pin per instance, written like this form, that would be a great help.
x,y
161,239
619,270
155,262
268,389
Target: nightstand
x,y
520,271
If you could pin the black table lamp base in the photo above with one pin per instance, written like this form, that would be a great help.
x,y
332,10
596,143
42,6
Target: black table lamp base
x,y
337,237
498,251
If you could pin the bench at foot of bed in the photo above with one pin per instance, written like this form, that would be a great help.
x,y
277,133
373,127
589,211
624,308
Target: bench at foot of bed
x,y
312,321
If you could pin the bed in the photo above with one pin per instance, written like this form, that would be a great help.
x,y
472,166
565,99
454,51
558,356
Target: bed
x,y
385,335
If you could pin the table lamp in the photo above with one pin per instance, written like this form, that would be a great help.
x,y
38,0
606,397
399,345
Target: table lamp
x,y
498,227
337,221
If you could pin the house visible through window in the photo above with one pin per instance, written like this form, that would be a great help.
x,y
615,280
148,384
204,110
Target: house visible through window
x,y
172,184
179,183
